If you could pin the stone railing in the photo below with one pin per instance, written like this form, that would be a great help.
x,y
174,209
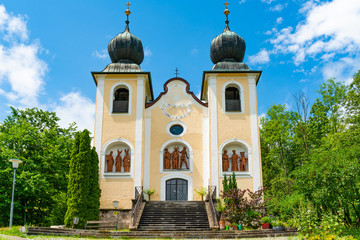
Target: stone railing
x,y
210,207
138,208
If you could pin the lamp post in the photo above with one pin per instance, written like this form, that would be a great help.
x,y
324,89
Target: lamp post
x,y
15,165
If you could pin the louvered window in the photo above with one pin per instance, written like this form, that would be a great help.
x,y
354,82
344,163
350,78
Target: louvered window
x,y
232,100
121,101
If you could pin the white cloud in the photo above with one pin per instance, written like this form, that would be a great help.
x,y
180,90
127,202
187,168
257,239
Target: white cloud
x,y
328,27
329,32
22,75
101,54
12,27
242,1
277,8
268,1
147,52
341,69
194,51
279,20
260,58
21,70
74,107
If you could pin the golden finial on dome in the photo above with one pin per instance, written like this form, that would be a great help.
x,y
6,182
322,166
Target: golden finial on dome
x,y
226,10
127,12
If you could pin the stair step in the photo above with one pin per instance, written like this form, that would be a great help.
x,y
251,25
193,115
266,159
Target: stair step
x,y
170,216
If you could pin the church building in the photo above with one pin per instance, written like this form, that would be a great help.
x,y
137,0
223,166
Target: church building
x,y
175,143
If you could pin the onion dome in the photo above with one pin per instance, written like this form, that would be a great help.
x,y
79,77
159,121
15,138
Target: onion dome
x,y
228,49
125,50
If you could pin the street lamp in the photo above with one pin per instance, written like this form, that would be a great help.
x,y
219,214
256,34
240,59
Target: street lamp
x,y
15,165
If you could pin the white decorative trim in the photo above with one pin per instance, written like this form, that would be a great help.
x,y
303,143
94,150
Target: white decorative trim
x,y
241,92
176,123
254,134
113,89
190,152
147,152
206,150
214,134
248,151
103,160
139,129
99,115
175,175
163,106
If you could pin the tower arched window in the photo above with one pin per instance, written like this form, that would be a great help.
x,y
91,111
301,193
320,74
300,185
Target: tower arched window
x,y
232,99
121,101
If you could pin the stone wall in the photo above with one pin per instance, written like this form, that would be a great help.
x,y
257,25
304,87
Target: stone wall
x,y
122,216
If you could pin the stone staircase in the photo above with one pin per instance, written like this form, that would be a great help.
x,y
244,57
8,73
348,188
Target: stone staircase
x,y
174,216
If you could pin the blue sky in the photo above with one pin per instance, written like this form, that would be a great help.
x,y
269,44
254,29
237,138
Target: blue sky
x,y
49,48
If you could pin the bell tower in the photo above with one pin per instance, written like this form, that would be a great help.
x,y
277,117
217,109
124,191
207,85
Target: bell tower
x,y
122,91
230,91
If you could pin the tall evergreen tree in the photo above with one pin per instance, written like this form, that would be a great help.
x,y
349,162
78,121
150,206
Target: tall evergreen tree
x,y
83,188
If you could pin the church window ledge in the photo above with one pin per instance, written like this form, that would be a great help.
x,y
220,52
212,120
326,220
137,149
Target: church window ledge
x,y
117,175
237,174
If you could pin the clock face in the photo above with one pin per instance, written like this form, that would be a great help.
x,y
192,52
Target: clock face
x,y
176,111
176,129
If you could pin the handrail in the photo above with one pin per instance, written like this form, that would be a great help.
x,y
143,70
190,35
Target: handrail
x,y
211,196
139,196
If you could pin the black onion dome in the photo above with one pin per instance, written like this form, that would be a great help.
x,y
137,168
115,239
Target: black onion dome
x,y
126,47
228,45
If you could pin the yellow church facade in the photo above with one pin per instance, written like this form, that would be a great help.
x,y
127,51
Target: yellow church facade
x,y
175,143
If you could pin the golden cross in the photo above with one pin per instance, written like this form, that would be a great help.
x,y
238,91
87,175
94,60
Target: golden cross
x,y
128,4
226,4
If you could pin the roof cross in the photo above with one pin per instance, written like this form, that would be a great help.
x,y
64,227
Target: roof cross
x,y
176,72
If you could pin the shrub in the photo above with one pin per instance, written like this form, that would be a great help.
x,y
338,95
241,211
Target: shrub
x,y
265,220
245,210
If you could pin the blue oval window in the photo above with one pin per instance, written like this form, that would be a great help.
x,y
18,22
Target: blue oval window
x,y
176,129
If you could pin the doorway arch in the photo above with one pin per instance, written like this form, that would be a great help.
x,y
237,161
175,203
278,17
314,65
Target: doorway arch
x,y
185,177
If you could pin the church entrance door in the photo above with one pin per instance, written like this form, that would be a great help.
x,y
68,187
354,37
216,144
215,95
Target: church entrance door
x,y
176,190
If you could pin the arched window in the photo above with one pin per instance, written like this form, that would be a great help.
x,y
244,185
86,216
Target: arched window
x,y
121,101
232,100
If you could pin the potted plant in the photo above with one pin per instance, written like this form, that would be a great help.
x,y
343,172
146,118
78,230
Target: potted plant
x,y
202,191
221,209
234,226
265,223
149,192
278,225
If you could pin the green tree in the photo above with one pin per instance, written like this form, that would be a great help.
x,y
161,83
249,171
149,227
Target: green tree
x,y
34,136
83,188
330,181
328,110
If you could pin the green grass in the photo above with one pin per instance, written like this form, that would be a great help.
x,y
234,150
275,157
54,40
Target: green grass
x,y
14,231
